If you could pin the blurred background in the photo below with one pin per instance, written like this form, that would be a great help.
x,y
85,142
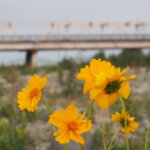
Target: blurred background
x,y
56,38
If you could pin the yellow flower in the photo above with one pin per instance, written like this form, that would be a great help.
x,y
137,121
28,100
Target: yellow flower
x,y
104,82
120,117
71,125
29,97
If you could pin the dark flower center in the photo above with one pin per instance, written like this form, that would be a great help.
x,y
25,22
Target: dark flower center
x,y
122,122
112,87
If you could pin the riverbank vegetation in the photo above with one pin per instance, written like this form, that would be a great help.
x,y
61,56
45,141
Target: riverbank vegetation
x,y
62,89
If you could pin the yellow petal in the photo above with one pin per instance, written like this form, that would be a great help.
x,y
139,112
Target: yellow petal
x,y
76,137
124,90
84,126
101,80
80,117
102,101
131,77
112,98
128,78
134,125
37,81
95,66
87,86
95,92
58,119
63,138
85,74
71,113
124,71
60,131
116,117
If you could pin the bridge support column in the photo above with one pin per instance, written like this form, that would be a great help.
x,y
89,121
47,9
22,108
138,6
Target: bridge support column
x,y
31,58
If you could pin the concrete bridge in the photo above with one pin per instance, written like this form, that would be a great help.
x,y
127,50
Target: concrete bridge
x,y
79,36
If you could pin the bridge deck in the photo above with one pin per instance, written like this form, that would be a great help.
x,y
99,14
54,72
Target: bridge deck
x,y
78,42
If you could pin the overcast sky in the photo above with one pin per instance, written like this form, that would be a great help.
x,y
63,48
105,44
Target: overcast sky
x,y
33,15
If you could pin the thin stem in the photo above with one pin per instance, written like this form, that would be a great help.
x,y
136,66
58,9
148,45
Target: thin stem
x,y
88,118
125,121
103,131
65,146
47,105
146,139
90,112
113,138
82,147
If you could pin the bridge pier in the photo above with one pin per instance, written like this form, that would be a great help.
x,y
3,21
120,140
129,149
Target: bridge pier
x,y
31,58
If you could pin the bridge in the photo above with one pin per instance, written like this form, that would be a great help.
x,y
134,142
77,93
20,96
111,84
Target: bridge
x,y
79,36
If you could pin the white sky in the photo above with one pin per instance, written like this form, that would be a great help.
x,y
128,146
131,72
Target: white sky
x,y
33,15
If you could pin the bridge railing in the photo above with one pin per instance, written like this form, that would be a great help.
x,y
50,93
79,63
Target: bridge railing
x,y
74,37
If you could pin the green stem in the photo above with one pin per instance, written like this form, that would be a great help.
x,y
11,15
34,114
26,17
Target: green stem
x,y
82,147
103,131
47,105
125,121
88,118
65,147
90,112
113,138
146,139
